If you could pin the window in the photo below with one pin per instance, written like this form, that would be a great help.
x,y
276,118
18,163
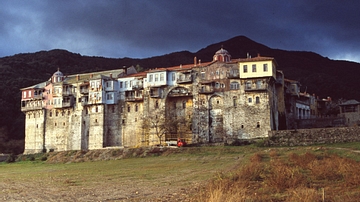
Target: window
x,y
121,84
109,96
245,69
250,100
217,85
217,72
96,121
234,85
202,75
136,108
234,101
248,85
184,105
156,77
126,84
50,114
96,109
258,125
128,108
265,66
123,121
258,84
24,94
173,76
150,78
257,100
162,77
253,68
156,104
130,84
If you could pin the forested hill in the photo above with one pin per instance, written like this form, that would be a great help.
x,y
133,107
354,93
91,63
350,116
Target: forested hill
x,y
317,74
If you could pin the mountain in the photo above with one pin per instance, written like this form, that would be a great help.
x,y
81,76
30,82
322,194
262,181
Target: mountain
x,y
317,74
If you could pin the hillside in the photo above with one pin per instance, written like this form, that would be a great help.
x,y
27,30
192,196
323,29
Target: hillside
x,y
317,74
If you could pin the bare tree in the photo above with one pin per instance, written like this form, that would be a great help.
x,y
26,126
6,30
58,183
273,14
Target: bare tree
x,y
156,121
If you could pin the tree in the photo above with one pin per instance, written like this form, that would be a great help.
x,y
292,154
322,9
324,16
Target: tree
x,y
155,120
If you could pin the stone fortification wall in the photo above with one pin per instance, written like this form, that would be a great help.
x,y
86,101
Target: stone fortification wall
x,y
303,137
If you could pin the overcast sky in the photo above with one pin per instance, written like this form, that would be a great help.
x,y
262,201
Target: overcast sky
x,y
146,28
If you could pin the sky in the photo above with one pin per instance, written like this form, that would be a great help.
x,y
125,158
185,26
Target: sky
x,y
147,28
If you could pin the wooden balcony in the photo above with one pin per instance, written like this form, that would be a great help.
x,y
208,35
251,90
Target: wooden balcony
x,y
30,108
206,90
31,105
137,87
234,75
256,88
133,98
179,93
84,90
184,79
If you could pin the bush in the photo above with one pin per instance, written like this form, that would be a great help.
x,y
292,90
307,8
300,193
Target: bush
x,y
11,158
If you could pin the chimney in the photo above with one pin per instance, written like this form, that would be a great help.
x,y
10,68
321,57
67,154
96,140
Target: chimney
x,y
125,70
247,55
258,54
180,66
199,61
91,75
77,77
111,75
195,61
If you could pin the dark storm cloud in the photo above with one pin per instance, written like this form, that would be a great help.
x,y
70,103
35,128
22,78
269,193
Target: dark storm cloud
x,y
147,28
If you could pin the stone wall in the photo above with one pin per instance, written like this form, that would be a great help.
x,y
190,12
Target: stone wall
x,y
303,137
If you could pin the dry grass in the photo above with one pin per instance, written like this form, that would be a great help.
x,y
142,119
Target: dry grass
x,y
275,176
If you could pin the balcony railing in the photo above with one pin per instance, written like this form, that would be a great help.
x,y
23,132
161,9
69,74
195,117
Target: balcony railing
x,y
234,75
155,95
84,90
64,104
133,98
31,105
38,97
184,79
206,90
137,87
30,108
179,93
255,87
66,93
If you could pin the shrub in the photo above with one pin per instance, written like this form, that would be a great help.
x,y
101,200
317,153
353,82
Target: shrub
x,y
11,158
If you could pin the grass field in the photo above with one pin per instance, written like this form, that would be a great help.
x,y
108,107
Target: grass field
x,y
246,173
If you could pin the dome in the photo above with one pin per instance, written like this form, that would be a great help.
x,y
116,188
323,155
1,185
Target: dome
x,y
222,51
222,55
57,76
